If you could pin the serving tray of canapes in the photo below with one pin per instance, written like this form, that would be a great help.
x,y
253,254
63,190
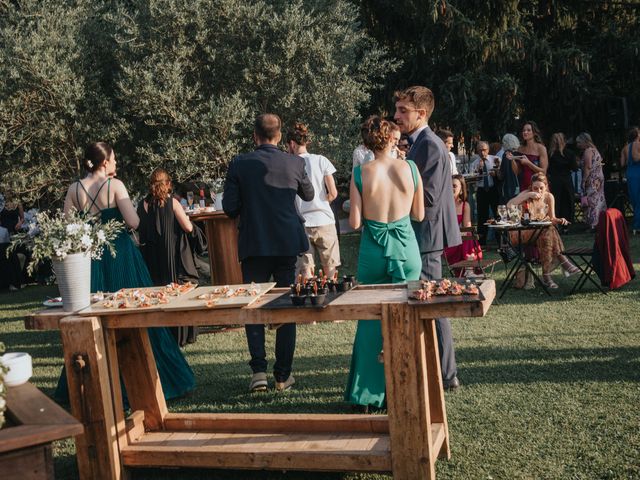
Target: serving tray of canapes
x,y
316,291
443,291
128,300
221,296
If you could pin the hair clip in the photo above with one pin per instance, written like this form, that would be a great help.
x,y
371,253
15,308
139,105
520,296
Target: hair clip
x,y
89,164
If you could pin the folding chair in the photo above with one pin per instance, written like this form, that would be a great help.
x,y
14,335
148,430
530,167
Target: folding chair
x,y
482,265
582,257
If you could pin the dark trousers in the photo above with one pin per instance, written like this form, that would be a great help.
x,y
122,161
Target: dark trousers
x,y
485,200
432,270
283,271
563,192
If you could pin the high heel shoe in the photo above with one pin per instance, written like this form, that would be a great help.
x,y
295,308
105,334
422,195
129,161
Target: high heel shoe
x,y
548,282
569,268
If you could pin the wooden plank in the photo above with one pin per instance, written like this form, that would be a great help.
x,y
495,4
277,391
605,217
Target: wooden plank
x,y
35,463
407,395
90,396
439,435
246,422
27,405
437,406
134,425
323,452
140,376
23,436
116,393
191,301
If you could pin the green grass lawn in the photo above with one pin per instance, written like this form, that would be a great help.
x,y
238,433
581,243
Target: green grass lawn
x,y
551,384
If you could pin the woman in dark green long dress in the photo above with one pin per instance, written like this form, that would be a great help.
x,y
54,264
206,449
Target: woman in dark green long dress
x,y
386,194
100,193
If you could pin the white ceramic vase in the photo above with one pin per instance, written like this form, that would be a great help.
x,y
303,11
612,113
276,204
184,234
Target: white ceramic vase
x,y
218,202
73,275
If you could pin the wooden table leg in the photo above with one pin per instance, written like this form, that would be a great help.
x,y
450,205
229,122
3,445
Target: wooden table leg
x,y
140,375
90,397
434,381
407,381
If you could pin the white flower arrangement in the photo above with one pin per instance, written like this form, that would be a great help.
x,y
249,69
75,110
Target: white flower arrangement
x,y
57,235
3,389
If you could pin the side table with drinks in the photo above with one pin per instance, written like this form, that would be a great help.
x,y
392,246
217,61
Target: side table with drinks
x,y
518,231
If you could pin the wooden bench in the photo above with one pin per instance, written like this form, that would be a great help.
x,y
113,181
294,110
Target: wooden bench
x,y
34,421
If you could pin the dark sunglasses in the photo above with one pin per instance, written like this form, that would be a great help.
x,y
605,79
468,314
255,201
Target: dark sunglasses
x,y
403,145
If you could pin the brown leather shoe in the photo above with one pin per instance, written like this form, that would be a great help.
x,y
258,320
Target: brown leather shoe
x,y
451,385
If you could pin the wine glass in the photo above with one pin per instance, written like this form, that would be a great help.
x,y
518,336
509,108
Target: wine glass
x,y
514,214
502,212
190,200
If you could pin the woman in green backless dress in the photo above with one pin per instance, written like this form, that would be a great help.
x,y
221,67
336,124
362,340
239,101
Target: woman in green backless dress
x,y
103,194
386,194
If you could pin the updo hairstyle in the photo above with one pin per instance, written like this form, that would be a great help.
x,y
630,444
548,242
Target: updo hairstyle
x,y
95,155
299,133
160,185
539,177
378,133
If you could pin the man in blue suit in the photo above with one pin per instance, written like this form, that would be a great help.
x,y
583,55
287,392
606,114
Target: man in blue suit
x,y
439,228
261,188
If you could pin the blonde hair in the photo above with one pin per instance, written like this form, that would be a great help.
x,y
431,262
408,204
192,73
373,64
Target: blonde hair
x,y
557,143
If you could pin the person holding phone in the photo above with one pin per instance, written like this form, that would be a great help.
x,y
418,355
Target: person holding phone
x,y
534,159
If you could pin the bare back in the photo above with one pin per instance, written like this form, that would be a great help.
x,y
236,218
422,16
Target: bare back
x,y
387,190
94,194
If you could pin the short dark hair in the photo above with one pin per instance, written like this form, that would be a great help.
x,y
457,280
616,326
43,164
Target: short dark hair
x,y
443,133
267,126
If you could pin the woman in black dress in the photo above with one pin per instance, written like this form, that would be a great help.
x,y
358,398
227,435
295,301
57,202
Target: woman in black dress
x,y
561,162
163,229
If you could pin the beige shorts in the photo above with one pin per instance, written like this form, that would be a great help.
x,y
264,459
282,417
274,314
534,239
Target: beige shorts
x,y
323,241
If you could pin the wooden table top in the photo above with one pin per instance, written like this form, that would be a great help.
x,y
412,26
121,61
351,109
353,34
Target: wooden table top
x,y
362,303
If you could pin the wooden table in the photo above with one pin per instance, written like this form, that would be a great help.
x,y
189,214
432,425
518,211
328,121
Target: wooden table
x,y
222,243
34,421
406,442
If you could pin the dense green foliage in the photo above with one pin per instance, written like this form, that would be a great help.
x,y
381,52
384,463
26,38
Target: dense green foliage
x,y
177,83
172,83
492,62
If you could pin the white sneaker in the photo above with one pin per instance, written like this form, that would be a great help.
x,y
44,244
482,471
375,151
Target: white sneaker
x,y
258,382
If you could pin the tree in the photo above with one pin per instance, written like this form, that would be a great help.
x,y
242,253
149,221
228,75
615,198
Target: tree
x,y
174,83
493,62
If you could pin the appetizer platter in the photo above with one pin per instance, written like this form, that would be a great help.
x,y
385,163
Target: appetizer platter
x,y
221,296
129,300
445,290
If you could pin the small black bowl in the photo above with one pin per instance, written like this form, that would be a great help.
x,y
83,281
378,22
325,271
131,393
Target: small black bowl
x,y
298,300
317,299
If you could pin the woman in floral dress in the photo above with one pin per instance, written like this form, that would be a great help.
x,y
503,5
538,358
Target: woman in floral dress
x,y
592,179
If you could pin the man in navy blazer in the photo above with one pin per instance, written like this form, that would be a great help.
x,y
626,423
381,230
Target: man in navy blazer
x,y
439,228
261,188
